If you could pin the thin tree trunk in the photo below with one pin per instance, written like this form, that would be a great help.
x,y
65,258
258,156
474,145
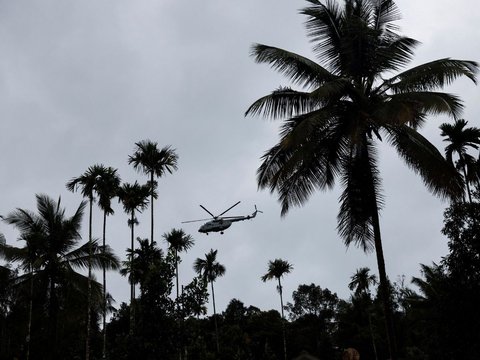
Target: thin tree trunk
x,y
215,318
176,270
132,280
52,321
283,320
104,309
466,180
30,311
89,281
371,334
180,319
384,287
151,206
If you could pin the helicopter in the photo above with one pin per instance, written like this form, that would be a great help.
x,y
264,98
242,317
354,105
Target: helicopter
x,y
219,223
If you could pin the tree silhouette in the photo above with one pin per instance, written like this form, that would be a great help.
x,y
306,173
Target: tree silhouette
x,y
50,254
460,138
348,103
134,198
210,269
148,159
106,188
88,182
276,270
178,241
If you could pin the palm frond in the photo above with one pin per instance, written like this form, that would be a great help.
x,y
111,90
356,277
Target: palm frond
x,y
360,200
299,69
306,158
412,107
438,175
324,27
433,75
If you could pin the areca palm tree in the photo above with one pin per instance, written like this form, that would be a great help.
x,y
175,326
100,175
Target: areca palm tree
x,y
349,102
106,188
360,283
50,255
276,270
150,160
178,241
461,138
134,198
87,182
210,269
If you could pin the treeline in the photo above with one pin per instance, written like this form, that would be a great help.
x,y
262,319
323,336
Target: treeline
x,y
436,316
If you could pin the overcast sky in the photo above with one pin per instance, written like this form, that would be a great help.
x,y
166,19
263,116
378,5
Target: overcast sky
x,y
82,81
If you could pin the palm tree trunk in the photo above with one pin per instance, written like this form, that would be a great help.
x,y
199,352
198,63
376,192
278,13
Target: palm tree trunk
x,y
89,281
52,321
178,308
30,311
132,280
372,336
215,318
384,286
283,320
469,193
151,206
104,308
176,271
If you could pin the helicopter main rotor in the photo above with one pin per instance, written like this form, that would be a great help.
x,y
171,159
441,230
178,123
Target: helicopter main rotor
x,y
213,216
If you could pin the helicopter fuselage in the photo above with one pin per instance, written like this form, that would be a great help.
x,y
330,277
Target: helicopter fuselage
x,y
215,226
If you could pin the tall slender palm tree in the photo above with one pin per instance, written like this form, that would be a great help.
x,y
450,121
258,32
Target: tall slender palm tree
x,y
50,254
360,284
106,188
178,241
349,102
150,160
87,182
276,270
460,138
134,198
210,269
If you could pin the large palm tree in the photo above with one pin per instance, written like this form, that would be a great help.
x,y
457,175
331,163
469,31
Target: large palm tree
x,y
51,255
87,182
106,189
210,269
276,270
460,138
134,198
178,241
349,102
150,160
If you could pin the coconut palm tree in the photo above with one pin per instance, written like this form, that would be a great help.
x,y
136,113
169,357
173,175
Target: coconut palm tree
x,y
148,159
349,102
134,198
460,138
178,241
210,269
87,183
276,270
50,255
106,189
360,284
